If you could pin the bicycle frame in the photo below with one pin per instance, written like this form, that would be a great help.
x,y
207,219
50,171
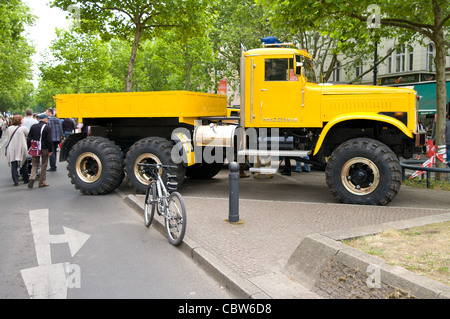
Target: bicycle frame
x,y
161,190
163,195
162,199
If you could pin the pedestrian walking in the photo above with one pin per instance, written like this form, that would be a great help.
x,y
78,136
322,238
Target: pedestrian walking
x,y
16,149
28,120
68,127
42,133
298,165
57,135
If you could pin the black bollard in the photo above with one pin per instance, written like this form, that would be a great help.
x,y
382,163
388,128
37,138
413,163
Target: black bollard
x,y
233,214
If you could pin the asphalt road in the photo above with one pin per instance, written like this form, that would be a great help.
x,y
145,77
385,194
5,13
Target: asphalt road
x,y
115,255
106,250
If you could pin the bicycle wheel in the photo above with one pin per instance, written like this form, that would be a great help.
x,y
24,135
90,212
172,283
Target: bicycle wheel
x,y
175,219
150,204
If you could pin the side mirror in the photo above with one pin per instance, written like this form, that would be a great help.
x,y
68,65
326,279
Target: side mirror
x,y
298,65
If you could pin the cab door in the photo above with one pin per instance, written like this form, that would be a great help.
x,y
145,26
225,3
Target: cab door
x,y
276,92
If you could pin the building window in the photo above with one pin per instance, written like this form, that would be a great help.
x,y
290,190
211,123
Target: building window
x,y
389,64
411,58
400,59
359,70
430,57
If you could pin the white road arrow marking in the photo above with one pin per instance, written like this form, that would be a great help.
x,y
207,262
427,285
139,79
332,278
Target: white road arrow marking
x,y
75,239
49,280
46,281
42,238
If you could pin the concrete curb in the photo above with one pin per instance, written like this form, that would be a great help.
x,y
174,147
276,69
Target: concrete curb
x,y
334,270
237,285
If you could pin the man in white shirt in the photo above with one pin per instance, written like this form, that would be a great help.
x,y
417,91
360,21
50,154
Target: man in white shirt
x,y
28,120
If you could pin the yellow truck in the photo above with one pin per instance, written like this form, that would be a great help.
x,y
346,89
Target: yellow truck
x,y
285,113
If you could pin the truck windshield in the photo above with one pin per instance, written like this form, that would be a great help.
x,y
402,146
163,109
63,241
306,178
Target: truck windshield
x,y
308,70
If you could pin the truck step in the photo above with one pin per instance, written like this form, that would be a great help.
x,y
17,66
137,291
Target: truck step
x,y
279,153
263,170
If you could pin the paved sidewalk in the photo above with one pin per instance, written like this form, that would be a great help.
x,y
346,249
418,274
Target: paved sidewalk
x,y
275,216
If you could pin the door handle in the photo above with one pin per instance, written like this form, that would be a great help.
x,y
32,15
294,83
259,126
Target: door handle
x,y
263,89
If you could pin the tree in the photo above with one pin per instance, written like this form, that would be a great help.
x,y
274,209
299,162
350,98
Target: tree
x,y
238,22
430,19
406,20
187,60
76,63
137,19
324,36
15,55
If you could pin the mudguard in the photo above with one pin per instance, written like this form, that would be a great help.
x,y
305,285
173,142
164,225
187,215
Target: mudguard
x,y
361,116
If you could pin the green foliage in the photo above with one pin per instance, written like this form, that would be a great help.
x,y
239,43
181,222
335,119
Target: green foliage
x,y
142,45
137,20
238,22
183,62
78,63
75,63
15,56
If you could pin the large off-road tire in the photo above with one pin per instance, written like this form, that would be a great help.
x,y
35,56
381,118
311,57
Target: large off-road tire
x,y
363,171
95,166
151,150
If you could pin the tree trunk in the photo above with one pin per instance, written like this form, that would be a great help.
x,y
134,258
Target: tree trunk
x,y
131,63
441,93
330,68
188,77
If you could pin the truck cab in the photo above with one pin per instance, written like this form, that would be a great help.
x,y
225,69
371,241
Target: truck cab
x,y
281,88
348,129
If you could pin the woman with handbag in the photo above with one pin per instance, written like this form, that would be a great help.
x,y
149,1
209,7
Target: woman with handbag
x,y
40,146
16,149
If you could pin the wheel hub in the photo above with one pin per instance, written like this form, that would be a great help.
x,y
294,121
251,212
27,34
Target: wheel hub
x,y
360,176
88,167
145,158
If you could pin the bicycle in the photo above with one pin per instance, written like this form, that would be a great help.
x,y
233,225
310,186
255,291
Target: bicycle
x,y
169,205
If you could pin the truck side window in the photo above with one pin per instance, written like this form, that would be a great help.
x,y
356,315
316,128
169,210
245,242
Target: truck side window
x,y
278,69
308,70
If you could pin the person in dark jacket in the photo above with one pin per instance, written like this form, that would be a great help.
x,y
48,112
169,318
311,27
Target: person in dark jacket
x,y
57,135
46,150
68,127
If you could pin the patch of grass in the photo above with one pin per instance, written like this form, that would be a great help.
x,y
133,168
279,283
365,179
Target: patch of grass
x,y
424,250
422,183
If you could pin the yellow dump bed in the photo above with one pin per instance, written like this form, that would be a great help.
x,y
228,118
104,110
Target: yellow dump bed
x,y
187,106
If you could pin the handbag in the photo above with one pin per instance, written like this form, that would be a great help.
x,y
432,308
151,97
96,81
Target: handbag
x,y
6,148
35,146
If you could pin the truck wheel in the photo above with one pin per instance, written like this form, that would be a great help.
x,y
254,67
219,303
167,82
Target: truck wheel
x,y
150,150
363,171
95,166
